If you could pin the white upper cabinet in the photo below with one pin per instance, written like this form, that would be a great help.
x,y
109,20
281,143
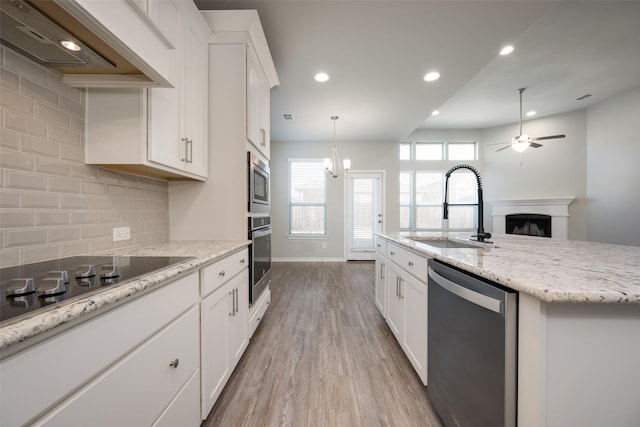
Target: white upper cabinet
x,y
141,32
158,132
258,105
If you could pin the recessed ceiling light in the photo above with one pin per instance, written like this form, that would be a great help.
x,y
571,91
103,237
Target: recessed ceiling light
x,y
531,113
69,45
506,50
321,77
431,76
435,112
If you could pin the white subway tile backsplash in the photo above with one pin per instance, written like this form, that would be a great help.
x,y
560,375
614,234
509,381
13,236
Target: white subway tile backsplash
x,y
84,171
93,230
48,218
101,203
25,181
9,257
38,92
9,99
15,218
52,204
25,237
65,136
40,199
9,198
52,166
29,254
52,115
95,188
20,121
16,160
73,155
84,217
33,144
73,107
63,234
23,66
9,80
72,201
9,139
64,185
78,247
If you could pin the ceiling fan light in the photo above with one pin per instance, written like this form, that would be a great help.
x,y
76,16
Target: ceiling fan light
x,y
520,146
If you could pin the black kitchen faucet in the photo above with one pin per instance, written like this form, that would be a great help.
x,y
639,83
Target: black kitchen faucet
x,y
481,235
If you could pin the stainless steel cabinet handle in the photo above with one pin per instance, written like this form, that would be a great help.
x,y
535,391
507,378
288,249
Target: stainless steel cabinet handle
x,y
401,296
190,145
222,273
235,299
263,136
398,287
382,270
233,305
242,261
186,153
379,245
393,253
473,297
410,263
174,363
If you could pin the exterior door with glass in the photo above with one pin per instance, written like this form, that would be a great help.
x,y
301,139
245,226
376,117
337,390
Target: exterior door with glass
x,y
365,203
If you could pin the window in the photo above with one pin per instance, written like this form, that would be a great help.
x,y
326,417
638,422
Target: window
x,y
422,196
307,197
429,150
439,151
405,151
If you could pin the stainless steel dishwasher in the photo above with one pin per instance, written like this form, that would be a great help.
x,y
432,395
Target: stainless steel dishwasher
x,y
472,346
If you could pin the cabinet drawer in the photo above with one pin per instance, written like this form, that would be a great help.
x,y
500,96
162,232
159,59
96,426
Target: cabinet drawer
x,y
218,273
410,261
184,410
381,245
52,369
138,388
259,312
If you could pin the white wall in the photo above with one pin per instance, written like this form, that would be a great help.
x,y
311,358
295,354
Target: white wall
x,y
556,169
364,156
613,170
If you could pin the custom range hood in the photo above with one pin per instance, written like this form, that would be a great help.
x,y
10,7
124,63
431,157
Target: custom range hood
x,y
62,35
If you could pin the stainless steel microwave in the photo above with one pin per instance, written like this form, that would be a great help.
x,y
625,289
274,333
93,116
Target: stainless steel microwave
x,y
258,184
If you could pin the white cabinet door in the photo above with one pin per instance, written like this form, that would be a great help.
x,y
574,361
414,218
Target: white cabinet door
x,y
239,322
137,389
215,313
395,306
381,284
194,95
265,119
253,99
414,343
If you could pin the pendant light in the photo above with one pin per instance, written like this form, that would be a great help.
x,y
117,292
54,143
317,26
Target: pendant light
x,y
332,165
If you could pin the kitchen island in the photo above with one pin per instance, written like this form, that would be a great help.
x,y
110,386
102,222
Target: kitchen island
x,y
578,322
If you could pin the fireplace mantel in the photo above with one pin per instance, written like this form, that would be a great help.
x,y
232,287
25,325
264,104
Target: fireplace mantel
x,y
556,207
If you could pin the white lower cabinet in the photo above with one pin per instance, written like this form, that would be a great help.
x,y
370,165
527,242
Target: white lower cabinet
x,y
224,333
407,310
381,284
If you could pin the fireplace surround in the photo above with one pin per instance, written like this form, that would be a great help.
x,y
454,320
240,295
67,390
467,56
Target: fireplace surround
x,y
557,208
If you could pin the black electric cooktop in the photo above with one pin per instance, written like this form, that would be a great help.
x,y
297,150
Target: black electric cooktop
x,y
43,285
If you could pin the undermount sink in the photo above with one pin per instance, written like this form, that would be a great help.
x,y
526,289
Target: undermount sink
x,y
444,243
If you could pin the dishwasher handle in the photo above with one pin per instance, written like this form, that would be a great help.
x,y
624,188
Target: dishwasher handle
x,y
473,297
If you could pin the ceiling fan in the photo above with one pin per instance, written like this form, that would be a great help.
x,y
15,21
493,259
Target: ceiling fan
x,y
523,141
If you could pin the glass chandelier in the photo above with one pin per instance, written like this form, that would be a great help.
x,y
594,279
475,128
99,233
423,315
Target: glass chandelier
x,y
332,165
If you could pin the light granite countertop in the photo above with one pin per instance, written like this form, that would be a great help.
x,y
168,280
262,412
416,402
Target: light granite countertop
x,y
203,253
552,270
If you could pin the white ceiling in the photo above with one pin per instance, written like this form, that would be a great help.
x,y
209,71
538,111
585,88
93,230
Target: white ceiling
x,y
377,52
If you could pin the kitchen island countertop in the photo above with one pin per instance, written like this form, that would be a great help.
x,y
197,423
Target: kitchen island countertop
x,y
203,253
552,270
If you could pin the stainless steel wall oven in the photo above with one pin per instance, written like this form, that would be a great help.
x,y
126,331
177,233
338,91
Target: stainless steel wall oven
x,y
259,256
258,184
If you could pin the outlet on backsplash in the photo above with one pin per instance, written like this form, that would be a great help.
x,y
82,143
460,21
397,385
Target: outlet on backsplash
x,y
121,233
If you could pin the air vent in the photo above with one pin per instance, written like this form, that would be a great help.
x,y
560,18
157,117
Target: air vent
x,y
287,116
585,96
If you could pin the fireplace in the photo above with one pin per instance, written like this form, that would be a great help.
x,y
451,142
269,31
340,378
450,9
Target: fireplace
x,y
555,210
528,224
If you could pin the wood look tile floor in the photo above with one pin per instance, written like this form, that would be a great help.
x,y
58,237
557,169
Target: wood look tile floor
x,y
323,356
